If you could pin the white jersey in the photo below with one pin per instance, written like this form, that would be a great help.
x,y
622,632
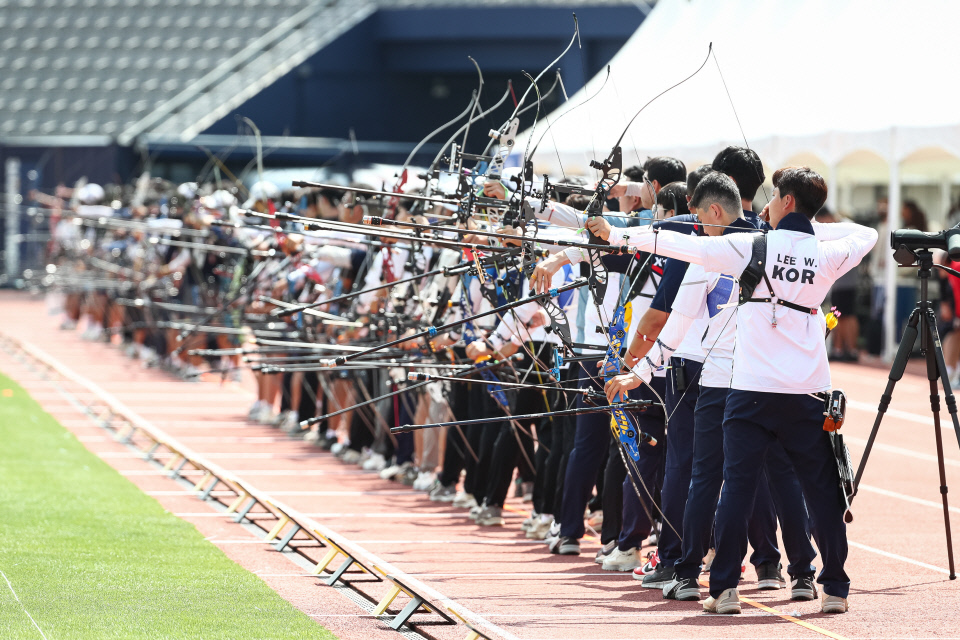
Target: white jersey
x,y
711,299
778,349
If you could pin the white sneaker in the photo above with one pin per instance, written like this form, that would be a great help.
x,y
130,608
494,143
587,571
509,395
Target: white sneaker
x,y
265,414
350,456
621,560
311,436
290,423
254,411
374,462
464,500
530,522
491,517
425,481
338,448
539,530
553,533
394,471
604,552
475,511
440,493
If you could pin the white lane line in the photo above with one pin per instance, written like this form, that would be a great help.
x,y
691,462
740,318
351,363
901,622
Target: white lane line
x,y
384,492
409,516
263,472
888,448
219,456
17,598
494,542
894,556
901,496
945,421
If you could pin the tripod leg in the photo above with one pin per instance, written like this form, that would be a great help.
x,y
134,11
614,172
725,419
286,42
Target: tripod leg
x,y
896,373
936,368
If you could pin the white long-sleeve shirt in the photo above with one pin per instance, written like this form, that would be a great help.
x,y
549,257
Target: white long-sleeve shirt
x,y
778,349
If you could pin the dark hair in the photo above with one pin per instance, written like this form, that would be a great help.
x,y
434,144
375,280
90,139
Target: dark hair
x,y
634,173
717,188
695,176
578,201
744,166
674,196
913,216
664,170
805,185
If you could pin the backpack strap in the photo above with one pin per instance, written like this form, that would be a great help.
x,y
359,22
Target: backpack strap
x,y
755,272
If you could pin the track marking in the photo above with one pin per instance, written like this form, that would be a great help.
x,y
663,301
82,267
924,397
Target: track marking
x,y
900,496
17,598
784,616
945,421
889,448
384,492
419,516
894,556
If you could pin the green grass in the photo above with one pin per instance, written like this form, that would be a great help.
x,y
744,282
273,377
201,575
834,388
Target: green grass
x,y
91,556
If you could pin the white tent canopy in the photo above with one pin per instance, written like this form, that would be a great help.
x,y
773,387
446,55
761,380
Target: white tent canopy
x,y
858,89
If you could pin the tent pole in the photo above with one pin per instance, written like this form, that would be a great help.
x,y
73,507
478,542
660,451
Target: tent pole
x,y
890,273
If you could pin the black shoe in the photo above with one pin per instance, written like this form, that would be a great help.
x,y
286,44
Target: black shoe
x,y
687,589
565,546
803,589
661,577
769,577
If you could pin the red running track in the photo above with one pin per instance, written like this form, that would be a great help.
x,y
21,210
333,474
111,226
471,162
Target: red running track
x,y
898,559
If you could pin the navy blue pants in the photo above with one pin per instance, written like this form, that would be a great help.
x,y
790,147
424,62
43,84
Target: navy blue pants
x,y
590,445
683,389
753,422
705,483
640,488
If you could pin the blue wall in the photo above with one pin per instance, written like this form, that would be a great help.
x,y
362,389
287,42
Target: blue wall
x,y
401,73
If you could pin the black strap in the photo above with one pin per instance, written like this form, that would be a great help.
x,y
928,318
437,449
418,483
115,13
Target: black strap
x,y
755,272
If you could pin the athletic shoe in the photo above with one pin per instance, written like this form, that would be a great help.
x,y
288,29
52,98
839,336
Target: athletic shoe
x,y
441,493
491,517
290,423
395,471
338,448
312,437
687,589
728,602
769,577
424,481
464,500
407,476
595,518
374,462
526,491
539,531
475,511
803,589
604,552
661,577
621,560
565,546
653,559
254,411
708,560
350,456
531,521
265,415
834,604
552,533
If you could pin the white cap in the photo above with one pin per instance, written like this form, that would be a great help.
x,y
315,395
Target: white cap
x,y
188,190
90,193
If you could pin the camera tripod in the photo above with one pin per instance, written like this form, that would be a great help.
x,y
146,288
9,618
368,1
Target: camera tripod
x,y
922,322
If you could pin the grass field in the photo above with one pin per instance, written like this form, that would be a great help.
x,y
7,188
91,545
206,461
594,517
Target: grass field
x,y
90,556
